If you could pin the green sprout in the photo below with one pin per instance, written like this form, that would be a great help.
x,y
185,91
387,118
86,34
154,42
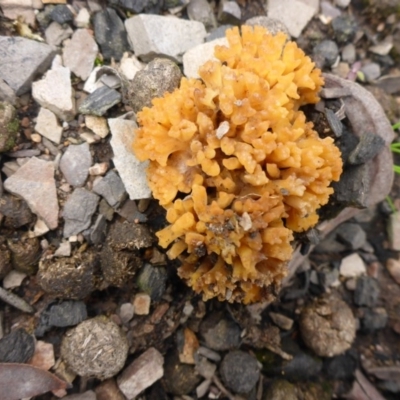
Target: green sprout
x,y
395,148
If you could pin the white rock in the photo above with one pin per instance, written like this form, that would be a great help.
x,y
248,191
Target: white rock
x,y
141,373
80,52
47,125
129,66
92,83
194,58
55,93
64,250
13,279
98,169
352,266
130,169
82,20
98,125
155,35
295,14
40,228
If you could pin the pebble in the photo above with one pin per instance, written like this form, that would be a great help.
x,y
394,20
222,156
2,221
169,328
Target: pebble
x,y
352,266
328,12
344,28
326,53
98,169
282,321
78,211
229,12
153,281
368,147
129,66
327,326
141,304
107,390
187,345
273,25
239,371
208,353
43,356
55,33
141,373
341,367
62,14
281,390
111,188
393,266
79,53
64,250
110,34
82,20
55,93
130,169
13,9
75,164
220,333
80,348
205,368
97,232
352,235
126,312
178,36
100,101
159,76
349,53
17,347
294,14
367,291
21,60
13,279
201,11
35,183
374,319
384,47
371,71
130,212
194,58
48,126
98,125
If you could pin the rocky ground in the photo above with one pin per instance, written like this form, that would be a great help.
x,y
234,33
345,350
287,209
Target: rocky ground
x,y
86,292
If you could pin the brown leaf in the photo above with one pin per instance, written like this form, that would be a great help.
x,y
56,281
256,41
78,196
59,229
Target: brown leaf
x,y
22,380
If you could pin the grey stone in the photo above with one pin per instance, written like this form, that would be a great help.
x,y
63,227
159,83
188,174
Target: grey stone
x,y
371,71
130,212
344,28
78,211
44,17
35,183
389,83
326,53
153,281
177,36
106,210
368,147
341,367
9,126
130,169
294,14
201,11
101,100
229,12
217,33
110,34
98,231
272,25
55,33
79,53
48,126
374,319
21,60
240,371
61,14
329,11
349,53
159,76
17,347
75,164
138,6
6,93
366,292
55,93
111,188
352,235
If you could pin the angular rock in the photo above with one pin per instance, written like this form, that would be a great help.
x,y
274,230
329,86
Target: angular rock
x,y
55,93
13,9
55,33
6,93
194,58
111,188
371,71
44,355
21,60
80,52
61,14
201,11
35,183
78,211
229,12
326,53
17,347
82,20
152,280
294,14
374,319
98,125
352,235
129,66
366,292
98,102
352,266
75,164
107,390
344,28
141,373
130,169
178,36
110,34
47,125
64,250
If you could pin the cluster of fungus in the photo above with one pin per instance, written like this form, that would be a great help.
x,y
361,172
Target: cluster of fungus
x,y
237,166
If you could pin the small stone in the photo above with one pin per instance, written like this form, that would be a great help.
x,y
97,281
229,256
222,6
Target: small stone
x,y
393,229
187,345
61,14
126,312
281,390
344,28
35,183
178,36
130,169
111,188
352,235
100,101
17,347
79,53
80,348
282,321
48,126
326,53
9,126
98,169
341,367
107,390
64,250
129,66
55,93
43,357
294,14
141,373
88,395
195,57
368,147
371,71
240,371
36,138
159,76
21,60
217,33
201,11
15,212
55,33
89,137
229,12
92,83
98,125
75,164
98,231
374,319
13,279
82,20
14,9
205,368
393,266
384,47
130,212
327,326
78,211
208,353
153,281
352,266
110,34
273,25
106,210
349,53
367,291
141,304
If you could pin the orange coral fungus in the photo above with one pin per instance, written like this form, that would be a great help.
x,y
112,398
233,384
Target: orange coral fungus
x,y
251,166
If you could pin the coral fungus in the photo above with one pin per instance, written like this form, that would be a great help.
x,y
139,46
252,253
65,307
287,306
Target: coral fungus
x,y
237,166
